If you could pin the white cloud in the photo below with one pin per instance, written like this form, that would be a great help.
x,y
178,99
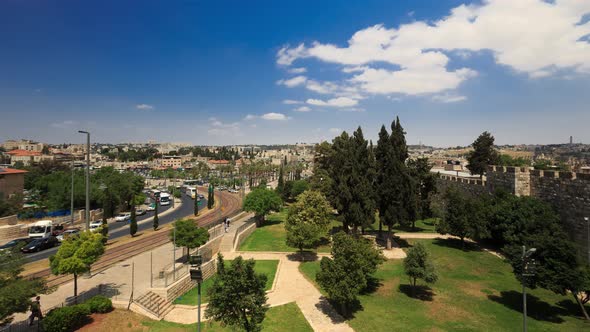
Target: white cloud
x,y
274,116
292,102
293,82
534,37
250,117
448,98
335,130
64,124
299,70
302,109
219,128
286,55
335,102
144,107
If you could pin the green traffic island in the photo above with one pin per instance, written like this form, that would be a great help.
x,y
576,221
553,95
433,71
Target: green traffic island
x,y
271,236
475,291
286,317
266,267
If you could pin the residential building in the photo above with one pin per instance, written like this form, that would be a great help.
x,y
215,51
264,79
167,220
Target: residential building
x,y
27,157
12,181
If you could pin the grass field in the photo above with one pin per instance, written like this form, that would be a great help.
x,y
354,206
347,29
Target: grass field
x,y
266,267
272,236
476,291
422,226
286,317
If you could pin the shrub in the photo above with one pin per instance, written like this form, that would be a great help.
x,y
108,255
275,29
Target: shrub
x,y
99,304
66,319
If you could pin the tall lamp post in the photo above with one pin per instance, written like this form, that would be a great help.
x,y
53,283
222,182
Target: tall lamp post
x,y
87,212
197,275
588,237
72,196
528,270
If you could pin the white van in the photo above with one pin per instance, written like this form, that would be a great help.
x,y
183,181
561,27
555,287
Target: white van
x,y
41,229
192,192
164,199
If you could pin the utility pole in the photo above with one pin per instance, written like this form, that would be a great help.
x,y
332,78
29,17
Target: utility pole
x,y
174,254
87,212
72,196
588,237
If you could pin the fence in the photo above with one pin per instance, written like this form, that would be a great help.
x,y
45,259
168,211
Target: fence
x,y
240,233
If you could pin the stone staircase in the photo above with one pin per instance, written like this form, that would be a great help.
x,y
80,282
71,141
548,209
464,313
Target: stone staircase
x,y
154,304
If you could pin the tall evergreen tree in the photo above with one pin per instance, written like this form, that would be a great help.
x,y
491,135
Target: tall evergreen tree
x,y
483,154
156,218
425,186
133,220
361,212
281,183
341,171
383,159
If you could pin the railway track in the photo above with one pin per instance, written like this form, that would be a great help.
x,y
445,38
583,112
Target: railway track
x,y
230,205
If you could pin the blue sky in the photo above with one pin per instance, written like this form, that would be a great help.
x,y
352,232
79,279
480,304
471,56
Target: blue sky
x,y
237,72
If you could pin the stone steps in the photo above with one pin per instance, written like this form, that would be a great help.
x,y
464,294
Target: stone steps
x,y
155,304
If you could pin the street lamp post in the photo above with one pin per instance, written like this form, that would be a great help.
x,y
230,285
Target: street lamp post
x,y
72,196
528,270
588,237
87,212
197,275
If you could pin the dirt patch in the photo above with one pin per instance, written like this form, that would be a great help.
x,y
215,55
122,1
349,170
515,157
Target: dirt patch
x,y
388,287
117,320
443,310
474,289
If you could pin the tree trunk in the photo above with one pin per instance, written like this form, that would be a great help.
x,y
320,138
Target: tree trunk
x,y
389,236
414,287
380,227
575,295
302,256
413,225
75,288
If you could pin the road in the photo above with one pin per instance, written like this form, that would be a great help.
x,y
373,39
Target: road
x,y
119,229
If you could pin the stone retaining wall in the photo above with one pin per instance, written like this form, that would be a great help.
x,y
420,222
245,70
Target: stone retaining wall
x,y
240,237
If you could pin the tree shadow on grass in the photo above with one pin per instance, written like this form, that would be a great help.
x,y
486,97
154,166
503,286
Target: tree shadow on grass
x,y
328,308
536,308
270,222
420,292
456,244
372,285
308,256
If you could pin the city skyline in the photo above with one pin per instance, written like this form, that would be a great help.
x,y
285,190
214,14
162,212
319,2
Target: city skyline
x,y
227,73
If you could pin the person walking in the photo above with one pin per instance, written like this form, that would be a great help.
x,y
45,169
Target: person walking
x,y
35,310
225,225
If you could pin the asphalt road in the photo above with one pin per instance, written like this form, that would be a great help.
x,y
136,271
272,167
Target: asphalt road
x,y
119,229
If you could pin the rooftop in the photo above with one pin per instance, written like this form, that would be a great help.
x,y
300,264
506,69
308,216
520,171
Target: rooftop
x,y
4,171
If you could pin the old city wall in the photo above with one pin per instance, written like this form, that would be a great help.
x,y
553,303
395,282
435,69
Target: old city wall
x,y
567,192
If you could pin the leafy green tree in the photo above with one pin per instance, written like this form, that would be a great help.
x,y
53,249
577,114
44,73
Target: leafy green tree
x,y
507,160
76,254
10,206
462,217
418,265
133,221
298,187
156,221
483,154
189,235
261,201
237,297
15,291
308,220
349,271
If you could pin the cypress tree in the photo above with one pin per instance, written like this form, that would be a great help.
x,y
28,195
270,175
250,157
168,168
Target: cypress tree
x,y
133,220
156,219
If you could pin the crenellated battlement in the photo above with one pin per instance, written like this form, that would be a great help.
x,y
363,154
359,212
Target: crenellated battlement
x,y
560,175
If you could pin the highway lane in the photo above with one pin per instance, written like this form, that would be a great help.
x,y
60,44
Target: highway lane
x,y
120,229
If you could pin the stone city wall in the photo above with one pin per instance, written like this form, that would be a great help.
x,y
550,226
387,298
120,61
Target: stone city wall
x,y
567,192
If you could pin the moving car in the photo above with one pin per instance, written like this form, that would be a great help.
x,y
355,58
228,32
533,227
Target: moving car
x,y
164,199
41,229
201,196
40,244
231,190
139,212
95,225
67,233
151,207
123,217
16,243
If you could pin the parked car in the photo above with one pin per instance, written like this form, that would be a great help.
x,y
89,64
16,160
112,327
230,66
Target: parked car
x,y
232,190
67,233
40,244
151,207
123,217
95,225
201,196
139,212
16,243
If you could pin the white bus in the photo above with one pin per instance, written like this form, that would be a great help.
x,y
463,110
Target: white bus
x,y
192,192
164,199
41,229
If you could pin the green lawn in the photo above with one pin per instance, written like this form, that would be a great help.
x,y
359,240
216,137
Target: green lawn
x,y
286,317
476,291
266,267
272,236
